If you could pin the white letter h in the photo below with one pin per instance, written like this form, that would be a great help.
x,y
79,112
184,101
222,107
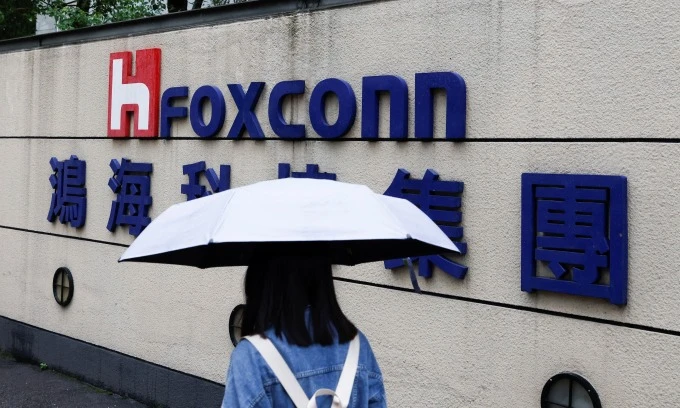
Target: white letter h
x,y
128,94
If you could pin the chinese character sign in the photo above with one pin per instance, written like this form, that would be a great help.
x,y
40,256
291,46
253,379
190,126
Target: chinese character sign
x,y
575,227
132,184
194,189
312,171
69,202
441,201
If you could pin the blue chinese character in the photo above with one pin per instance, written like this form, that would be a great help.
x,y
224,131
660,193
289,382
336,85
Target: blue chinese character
x,y
441,201
68,200
132,184
194,189
576,226
312,172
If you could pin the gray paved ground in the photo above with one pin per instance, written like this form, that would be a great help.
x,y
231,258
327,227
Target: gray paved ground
x,y
25,385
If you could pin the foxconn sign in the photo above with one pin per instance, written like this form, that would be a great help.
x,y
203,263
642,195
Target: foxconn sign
x,y
137,97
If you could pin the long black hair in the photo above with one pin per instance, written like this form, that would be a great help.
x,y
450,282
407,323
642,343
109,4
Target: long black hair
x,y
279,291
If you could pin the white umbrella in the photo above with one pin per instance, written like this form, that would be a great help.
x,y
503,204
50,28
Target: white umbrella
x,y
346,222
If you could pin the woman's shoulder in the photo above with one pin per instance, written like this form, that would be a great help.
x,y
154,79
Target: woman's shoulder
x,y
367,357
245,354
365,344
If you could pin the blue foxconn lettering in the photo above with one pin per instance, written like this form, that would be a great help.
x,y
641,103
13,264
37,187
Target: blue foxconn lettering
x,y
177,104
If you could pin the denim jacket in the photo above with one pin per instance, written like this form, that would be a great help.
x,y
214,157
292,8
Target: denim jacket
x,y
252,384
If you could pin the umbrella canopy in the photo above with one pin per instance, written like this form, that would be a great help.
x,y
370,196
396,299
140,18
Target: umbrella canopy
x,y
348,223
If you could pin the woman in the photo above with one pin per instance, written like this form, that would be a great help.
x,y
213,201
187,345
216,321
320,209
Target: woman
x,y
291,301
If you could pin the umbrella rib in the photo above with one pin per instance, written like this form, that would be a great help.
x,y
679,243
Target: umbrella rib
x,y
221,220
397,221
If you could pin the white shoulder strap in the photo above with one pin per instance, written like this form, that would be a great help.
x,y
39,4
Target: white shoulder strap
x,y
349,371
341,395
281,370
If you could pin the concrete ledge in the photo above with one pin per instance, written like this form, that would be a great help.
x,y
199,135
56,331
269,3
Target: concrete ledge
x,y
122,374
175,21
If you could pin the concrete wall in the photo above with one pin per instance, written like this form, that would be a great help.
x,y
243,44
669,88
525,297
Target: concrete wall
x,y
561,69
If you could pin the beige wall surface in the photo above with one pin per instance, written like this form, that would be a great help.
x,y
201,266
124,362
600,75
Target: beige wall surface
x,y
558,69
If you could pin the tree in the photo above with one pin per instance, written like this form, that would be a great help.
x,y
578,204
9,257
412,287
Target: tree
x,y
17,18
70,14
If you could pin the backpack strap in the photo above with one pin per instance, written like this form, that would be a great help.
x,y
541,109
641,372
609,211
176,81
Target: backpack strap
x,y
325,391
281,370
343,391
349,372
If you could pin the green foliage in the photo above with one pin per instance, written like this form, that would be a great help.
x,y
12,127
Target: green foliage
x,y
43,366
72,14
17,18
